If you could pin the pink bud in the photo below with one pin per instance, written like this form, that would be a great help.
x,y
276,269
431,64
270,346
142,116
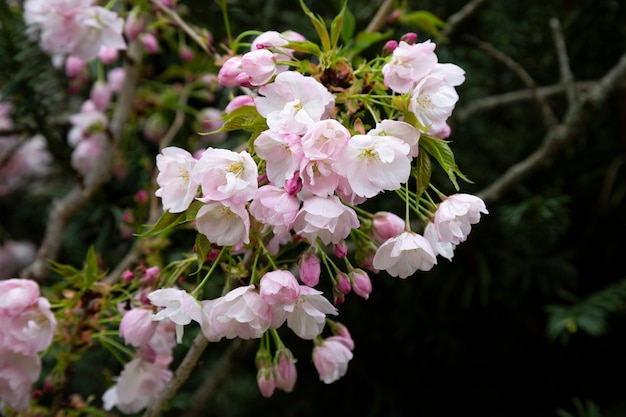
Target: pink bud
x,y
386,225
152,274
389,47
127,216
285,370
239,101
134,25
115,79
154,127
410,38
186,53
141,196
108,55
265,381
127,276
230,70
310,269
74,66
340,249
361,283
343,283
293,185
100,95
149,42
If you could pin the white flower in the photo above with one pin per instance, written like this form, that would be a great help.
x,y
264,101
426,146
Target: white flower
x,y
177,188
180,308
325,218
455,215
404,254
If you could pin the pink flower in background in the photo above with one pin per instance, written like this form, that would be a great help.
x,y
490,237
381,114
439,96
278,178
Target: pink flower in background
x,y
404,255
18,373
31,331
242,313
238,101
87,152
306,316
408,65
310,269
17,296
15,255
179,307
225,175
139,383
177,187
26,162
331,357
293,102
224,224
325,218
455,216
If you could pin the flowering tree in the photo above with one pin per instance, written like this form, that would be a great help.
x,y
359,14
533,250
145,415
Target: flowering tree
x,y
255,226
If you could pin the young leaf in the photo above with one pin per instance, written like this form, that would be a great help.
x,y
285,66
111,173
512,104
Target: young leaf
x,y
168,220
320,26
306,47
203,247
440,150
423,20
336,26
242,118
422,173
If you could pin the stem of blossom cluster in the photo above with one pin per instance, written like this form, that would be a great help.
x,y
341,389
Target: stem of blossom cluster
x,y
208,274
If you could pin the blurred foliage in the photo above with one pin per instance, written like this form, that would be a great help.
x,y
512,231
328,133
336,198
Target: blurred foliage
x,y
476,335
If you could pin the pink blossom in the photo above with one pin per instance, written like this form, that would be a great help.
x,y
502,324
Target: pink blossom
x,y
259,65
404,255
74,66
265,381
325,218
177,187
179,307
14,256
386,225
89,121
310,269
293,102
18,373
408,65
115,79
17,296
275,207
432,101
28,161
325,140
140,383
100,95
134,24
137,326
108,55
455,216
224,223
307,315
331,357
30,331
87,152
282,153
445,249
319,177
400,130
231,73
373,164
225,175
149,42
242,313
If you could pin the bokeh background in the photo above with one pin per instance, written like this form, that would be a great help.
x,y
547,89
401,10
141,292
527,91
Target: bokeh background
x,y
528,319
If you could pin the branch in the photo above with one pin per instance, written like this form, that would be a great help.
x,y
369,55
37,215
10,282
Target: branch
x,y
202,42
498,101
183,371
455,20
560,135
378,21
65,208
549,118
561,52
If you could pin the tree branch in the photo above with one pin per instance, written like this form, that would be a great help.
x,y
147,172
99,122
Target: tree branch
x,y
65,208
378,21
567,77
560,135
455,20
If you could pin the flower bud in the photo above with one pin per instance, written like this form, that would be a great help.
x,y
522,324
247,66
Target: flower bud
x,y
149,42
100,95
340,249
74,66
410,38
285,370
293,185
186,53
310,269
361,283
107,55
386,225
134,25
389,47
343,283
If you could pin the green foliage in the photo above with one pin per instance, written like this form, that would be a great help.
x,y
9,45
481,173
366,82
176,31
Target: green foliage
x,y
586,409
588,315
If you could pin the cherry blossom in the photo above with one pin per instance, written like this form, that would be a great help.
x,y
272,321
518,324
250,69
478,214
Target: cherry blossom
x,y
331,357
179,307
137,326
177,187
224,224
275,207
408,65
405,254
325,218
17,375
455,216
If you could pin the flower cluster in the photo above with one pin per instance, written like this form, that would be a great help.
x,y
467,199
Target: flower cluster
x,y
27,328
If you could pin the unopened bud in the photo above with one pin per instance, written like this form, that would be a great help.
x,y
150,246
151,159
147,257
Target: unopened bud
x,y
389,47
409,38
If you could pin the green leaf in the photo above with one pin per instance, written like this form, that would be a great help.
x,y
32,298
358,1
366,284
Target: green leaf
x,y
320,26
168,220
441,151
349,24
203,247
423,20
422,173
306,47
242,118
364,40
90,271
336,26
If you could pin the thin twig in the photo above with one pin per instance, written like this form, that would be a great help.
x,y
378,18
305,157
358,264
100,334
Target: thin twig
x,y
202,42
455,20
65,208
557,137
501,100
379,19
549,118
567,77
